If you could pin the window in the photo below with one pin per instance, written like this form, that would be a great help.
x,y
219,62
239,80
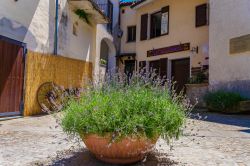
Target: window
x,y
159,23
131,34
155,25
201,15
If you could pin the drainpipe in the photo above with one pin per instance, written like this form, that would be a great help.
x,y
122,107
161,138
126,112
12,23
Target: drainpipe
x,y
56,29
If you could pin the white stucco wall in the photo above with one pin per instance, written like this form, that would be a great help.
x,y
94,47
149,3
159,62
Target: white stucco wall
x,y
33,22
103,34
27,21
228,19
128,18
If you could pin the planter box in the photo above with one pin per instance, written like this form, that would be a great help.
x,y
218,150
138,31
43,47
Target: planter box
x,y
196,93
241,107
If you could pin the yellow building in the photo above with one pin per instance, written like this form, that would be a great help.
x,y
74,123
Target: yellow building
x,y
170,36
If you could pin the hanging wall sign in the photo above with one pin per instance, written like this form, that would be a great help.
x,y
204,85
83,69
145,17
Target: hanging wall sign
x,y
168,50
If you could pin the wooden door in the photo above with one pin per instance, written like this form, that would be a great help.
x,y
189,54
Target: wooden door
x,y
160,67
164,68
181,73
11,78
154,66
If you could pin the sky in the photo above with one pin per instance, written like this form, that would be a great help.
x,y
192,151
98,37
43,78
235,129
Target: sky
x,y
127,0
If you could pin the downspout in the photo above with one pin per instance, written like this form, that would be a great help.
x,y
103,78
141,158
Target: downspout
x,y
56,29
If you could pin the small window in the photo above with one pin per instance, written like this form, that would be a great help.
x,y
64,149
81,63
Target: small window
x,y
201,15
131,34
159,23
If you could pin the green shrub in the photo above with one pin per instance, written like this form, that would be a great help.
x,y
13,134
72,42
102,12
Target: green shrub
x,y
222,100
127,106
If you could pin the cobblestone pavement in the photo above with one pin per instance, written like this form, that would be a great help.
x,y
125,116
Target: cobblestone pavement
x,y
222,140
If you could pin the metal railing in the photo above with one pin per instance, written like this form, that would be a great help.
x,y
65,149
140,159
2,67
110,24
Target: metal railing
x,y
106,7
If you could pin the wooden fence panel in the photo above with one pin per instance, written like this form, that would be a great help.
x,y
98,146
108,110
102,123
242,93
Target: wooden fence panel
x,y
41,68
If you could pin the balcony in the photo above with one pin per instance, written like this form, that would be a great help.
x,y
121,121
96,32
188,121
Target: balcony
x,y
106,7
92,7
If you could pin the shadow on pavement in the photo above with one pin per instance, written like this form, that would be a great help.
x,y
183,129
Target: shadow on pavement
x,y
241,120
85,158
245,131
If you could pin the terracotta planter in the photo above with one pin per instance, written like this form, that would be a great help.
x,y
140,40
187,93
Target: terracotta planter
x,y
125,151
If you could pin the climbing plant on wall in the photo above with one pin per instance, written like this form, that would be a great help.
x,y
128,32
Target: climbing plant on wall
x,y
83,15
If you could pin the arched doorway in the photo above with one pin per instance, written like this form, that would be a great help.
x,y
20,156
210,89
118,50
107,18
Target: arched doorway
x,y
107,55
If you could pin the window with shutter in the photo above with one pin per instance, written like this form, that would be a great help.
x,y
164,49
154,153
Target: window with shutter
x,y
155,23
159,23
144,27
131,34
201,15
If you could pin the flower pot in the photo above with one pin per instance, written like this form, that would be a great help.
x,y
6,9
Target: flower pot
x,y
125,151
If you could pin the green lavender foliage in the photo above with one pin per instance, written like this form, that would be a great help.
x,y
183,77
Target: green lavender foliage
x,y
139,105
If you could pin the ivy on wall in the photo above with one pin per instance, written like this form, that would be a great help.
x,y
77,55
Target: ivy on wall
x,y
83,15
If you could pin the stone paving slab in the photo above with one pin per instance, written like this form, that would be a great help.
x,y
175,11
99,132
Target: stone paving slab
x,y
220,140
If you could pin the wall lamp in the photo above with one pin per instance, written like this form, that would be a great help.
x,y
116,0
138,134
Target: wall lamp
x,y
195,50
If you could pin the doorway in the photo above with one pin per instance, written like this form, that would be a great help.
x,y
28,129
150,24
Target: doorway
x,y
12,63
180,73
129,67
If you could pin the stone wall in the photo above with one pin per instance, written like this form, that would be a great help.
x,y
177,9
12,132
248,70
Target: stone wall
x,y
196,93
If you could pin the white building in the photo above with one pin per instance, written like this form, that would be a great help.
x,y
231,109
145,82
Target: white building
x,y
82,30
33,23
229,45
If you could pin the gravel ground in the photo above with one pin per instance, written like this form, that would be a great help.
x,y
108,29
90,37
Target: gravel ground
x,y
222,140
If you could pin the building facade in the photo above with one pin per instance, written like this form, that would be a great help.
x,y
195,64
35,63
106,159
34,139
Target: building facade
x,y
169,36
229,45
73,31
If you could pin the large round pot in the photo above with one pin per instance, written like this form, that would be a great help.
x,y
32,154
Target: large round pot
x,y
125,151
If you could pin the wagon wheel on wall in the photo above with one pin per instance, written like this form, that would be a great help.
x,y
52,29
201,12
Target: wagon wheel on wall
x,y
50,97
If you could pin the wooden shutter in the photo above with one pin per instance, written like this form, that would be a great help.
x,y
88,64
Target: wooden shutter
x,y
164,68
165,9
144,27
201,15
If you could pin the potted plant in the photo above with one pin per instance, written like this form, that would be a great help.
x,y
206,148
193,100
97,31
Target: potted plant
x,y
226,102
103,62
121,119
197,87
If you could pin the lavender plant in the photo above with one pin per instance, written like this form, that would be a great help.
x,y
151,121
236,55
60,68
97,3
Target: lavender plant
x,y
141,104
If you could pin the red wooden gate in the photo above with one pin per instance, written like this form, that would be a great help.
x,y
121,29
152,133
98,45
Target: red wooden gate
x,y
11,78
